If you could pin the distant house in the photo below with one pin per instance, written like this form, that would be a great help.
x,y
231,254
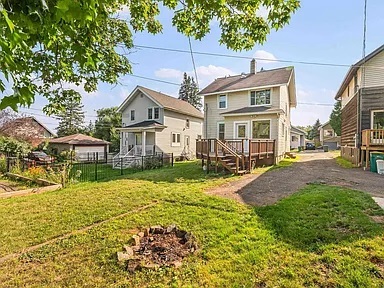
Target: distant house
x,y
153,122
362,101
84,146
328,136
28,129
297,137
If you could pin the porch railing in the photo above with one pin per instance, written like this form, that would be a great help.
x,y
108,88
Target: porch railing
x,y
372,137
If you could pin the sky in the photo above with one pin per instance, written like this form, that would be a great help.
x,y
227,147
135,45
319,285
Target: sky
x,y
326,31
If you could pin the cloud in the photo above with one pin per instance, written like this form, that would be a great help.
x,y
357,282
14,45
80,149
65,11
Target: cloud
x,y
263,12
263,56
205,74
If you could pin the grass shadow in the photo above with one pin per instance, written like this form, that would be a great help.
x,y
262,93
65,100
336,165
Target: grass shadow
x,y
319,215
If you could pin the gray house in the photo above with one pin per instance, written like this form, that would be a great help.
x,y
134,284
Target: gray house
x,y
153,122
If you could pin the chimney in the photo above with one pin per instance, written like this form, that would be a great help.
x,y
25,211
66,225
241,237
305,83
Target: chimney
x,y
252,69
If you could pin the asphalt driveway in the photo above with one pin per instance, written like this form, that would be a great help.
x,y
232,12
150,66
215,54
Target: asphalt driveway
x,y
313,167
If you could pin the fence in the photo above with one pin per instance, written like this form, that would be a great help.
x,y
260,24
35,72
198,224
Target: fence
x,y
351,154
92,169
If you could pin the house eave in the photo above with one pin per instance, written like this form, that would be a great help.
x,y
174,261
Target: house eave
x,y
252,113
242,89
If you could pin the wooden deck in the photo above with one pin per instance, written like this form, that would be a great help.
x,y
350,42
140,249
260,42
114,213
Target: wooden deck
x,y
238,156
371,140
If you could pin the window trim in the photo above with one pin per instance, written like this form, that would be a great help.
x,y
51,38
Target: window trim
x,y
175,144
258,90
372,113
153,113
150,109
247,129
226,101
134,115
261,120
218,129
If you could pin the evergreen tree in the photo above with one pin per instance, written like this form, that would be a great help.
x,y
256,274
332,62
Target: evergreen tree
x,y
89,129
314,134
71,121
335,118
188,92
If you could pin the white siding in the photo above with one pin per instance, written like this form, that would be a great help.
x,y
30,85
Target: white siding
x,y
140,103
176,123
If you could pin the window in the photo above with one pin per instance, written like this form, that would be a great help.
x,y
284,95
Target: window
x,y
241,130
132,115
175,139
355,83
348,91
221,130
378,119
187,124
222,101
156,113
262,97
261,129
153,113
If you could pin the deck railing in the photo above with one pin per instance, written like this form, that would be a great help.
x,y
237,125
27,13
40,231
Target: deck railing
x,y
372,137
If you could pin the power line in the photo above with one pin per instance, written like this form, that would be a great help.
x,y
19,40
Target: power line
x,y
153,79
193,61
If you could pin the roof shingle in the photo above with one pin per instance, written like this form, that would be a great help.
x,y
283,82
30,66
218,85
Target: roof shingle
x,y
272,77
78,139
257,109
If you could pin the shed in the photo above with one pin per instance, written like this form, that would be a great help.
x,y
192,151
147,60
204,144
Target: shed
x,y
84,146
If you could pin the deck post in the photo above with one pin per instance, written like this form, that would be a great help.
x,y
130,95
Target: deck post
x,y
208,159
216,152
250,155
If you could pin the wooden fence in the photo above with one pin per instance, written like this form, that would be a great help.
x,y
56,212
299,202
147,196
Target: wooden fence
x,y
351,154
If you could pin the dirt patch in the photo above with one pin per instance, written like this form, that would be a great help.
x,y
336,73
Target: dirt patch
x,y
312,167
9,186
378,219
157,247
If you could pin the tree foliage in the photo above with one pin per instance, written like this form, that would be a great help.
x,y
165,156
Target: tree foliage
x,y
188,92
335,118
71,121
14,147
47,46
108,119
315,133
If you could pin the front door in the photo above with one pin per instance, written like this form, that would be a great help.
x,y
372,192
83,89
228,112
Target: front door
x,y
138,144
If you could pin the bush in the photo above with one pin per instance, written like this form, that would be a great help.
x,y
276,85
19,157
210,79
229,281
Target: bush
x,y
14,147
3,164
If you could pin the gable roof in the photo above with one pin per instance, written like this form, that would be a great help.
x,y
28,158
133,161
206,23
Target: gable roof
x,y
165,101
297,130
265,78
353,69
22,121
146,124
78,139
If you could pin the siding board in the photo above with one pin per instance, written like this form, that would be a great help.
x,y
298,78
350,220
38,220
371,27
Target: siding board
x,y
349,123
372,99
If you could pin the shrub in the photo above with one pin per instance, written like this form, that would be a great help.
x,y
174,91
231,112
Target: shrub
x,y
12,146
3,164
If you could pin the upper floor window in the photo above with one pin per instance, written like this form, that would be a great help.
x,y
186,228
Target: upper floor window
x,y
132,115
153,113
222,101
187,124
262,97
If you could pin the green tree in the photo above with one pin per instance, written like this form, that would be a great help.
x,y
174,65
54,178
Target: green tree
x,y
108,119
315,133
47,44
188,92
335,118
89,129
71,120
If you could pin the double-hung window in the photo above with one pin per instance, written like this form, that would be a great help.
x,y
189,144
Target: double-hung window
x,y
261,129
222,101
132,115
153,113
175,139
150,113
262,97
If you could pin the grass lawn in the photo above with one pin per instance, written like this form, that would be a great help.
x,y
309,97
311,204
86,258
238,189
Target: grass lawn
x,y
320,237
344,163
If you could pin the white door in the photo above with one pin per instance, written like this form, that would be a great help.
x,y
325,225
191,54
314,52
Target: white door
x,y
242,132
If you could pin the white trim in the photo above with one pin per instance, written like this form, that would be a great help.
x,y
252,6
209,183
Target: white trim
x,y
153,113
252,113
247,123
372,112
218,130
218,101
259,120
130,115
258,90
242,89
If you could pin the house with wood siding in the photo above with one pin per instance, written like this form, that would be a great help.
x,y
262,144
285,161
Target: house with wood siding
x,y
153,122
362,100
245,113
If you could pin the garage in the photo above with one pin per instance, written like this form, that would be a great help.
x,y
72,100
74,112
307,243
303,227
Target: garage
x,y
85,147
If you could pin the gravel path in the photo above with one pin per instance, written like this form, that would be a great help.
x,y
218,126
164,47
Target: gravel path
x,y
313,167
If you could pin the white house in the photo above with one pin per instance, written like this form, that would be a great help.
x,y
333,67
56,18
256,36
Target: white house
x,y
153,122
297,137
256,105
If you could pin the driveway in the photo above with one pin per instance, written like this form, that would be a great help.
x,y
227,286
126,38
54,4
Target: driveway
x,y
313,167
